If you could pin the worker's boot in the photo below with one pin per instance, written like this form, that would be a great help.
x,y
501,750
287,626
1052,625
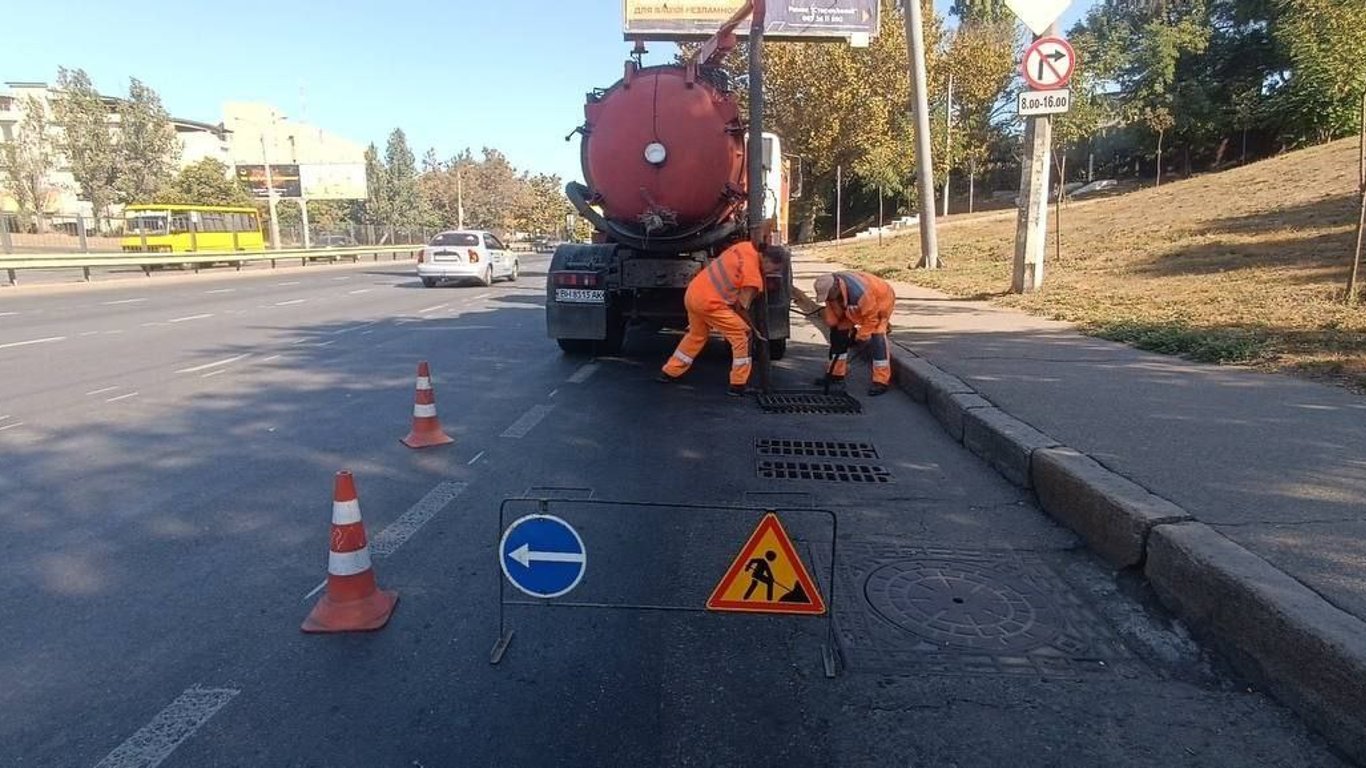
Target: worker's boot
x,y
878,389
736,390
666,378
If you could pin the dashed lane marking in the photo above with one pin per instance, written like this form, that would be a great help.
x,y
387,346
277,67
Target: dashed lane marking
x,y
291,282
188,318
581,375
528,421
477,457
121,397
94,392
155,741
214,373
222,290
433,309
11,426
122,301
207,366
396,533
290,302
47,340
358,290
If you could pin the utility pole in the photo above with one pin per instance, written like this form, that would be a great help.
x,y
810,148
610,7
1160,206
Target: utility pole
x,y
920,106
1361,222
270,196
839,206
303,219
1031,227
948,145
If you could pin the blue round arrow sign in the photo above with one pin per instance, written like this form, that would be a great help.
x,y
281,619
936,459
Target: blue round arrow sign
x,y
542,555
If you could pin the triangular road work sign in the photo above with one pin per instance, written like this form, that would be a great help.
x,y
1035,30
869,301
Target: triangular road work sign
x,y
767,576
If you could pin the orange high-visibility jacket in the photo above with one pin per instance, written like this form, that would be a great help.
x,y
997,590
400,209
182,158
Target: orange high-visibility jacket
x,y
868,303
718,285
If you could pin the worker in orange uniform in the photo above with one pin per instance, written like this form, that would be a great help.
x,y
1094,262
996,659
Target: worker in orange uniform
x,y
858,307
715,299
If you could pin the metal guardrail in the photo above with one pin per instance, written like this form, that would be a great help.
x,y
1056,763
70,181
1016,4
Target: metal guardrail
x,y
147,261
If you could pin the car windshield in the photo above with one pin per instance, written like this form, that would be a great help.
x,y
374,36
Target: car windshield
x,y
455,238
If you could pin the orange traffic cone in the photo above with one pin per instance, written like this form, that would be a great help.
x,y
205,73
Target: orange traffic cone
x,y
352,602
426,430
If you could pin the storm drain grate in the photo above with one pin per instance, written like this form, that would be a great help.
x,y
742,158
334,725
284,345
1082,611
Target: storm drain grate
x,y
825,449
809,402
770,469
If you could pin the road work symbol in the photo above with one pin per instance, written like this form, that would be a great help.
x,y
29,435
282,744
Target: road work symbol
x,y
1048,63
542,556
767,576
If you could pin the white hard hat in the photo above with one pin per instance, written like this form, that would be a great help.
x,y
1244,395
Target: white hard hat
x,y
825,285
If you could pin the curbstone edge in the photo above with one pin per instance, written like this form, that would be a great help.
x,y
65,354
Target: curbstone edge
x,y
1111,512
1309,653
1005,442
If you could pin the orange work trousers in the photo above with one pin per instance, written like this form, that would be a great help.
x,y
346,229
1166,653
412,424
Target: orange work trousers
x,y
701,322
840,338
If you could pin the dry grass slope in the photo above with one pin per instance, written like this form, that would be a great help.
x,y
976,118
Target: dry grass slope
x,y
1244,266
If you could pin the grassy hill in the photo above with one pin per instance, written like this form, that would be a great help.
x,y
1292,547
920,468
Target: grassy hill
x,y
1244,266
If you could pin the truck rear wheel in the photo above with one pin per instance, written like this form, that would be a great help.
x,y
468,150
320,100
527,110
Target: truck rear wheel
x,y
777,348
576,347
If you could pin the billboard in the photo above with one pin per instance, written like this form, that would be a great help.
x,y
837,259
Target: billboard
x,y
284,177
856,20
314,181
333,181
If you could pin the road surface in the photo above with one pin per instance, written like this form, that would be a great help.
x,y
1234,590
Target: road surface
x,y
168,451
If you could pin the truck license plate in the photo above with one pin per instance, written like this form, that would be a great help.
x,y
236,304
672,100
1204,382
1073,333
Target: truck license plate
x,y
580,296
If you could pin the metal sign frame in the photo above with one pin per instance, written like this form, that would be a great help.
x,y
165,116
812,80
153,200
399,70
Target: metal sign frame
x,y
544,507
1035,48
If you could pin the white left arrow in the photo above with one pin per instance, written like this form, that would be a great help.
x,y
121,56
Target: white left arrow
x,y
525,555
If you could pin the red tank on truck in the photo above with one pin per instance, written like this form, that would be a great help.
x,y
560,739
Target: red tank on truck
x,y
664,163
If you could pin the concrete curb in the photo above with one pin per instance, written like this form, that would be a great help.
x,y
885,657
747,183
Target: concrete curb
x,y
1308,653
1312,655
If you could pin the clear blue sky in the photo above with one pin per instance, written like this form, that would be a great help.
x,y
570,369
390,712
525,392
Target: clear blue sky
x,y
451,73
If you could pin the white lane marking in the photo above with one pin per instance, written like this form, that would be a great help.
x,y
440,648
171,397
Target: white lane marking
x,y
372,330
214,373
122,301
352,328
47,340
100,391
12,426
582,374
149,325
554,392
207,366
111,333
290,302
358,290
482,296
89,333
291,282
222,290
272,357
8,314
341,278
155,741
396,533
477,457
187,318
435,308
325,343
528,421
121,397
451,327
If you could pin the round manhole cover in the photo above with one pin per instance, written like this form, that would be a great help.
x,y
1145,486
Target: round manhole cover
x,y
962,605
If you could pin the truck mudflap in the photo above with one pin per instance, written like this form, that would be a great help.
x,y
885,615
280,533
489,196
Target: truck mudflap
x,y
576,299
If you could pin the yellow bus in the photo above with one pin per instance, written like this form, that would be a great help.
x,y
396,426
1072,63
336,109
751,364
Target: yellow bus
x,y
160,228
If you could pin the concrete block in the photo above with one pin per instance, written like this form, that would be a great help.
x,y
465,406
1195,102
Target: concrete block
x,y
951,407
1111,512
1309,654
1005,442
917,376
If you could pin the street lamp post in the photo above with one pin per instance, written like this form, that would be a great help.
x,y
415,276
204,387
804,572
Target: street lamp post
x,y
270,198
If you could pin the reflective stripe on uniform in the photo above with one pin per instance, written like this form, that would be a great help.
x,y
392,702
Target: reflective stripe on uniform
x,y
842,356
740,361
725,287
882,363
345,512
424,411
348,563
682,358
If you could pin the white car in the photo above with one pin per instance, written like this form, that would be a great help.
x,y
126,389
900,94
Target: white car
x,y
466,254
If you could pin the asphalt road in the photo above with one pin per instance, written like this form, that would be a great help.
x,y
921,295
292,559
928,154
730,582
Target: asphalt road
x,y
167,455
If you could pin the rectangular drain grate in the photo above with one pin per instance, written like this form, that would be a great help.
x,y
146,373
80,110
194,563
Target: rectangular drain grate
x,y
824,449
809,402
770,469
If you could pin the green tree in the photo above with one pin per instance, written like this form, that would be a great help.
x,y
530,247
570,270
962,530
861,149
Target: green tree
x,y
206,182
26,161
401,203
1325,43
981,57
87,140
545,205
147,149
377,188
